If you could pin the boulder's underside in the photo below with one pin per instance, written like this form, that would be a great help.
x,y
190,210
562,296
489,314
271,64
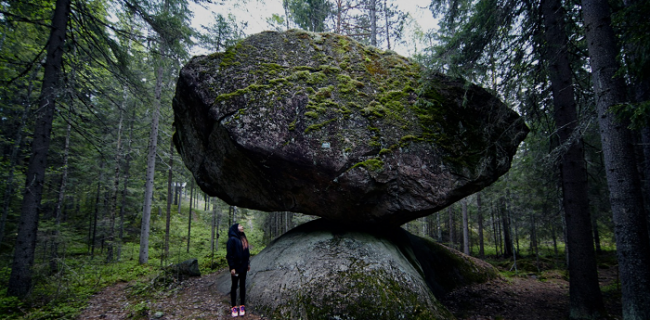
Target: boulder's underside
x,y
322,125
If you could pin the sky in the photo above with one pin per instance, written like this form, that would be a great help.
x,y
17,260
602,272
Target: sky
x,y
256,12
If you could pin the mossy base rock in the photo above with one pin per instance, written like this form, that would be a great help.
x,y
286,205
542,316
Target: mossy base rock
x,y
322,125
322,270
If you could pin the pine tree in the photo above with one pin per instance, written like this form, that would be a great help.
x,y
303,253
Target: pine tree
x,y
632,244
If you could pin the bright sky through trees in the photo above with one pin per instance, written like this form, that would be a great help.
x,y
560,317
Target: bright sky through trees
x,y
256,12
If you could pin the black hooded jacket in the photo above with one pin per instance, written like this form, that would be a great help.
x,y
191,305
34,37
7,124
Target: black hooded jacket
x,y
238,257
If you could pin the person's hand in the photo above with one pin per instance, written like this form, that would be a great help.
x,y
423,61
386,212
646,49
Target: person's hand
x,y
232,272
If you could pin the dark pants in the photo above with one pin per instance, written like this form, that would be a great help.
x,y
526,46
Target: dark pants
x,y
242,289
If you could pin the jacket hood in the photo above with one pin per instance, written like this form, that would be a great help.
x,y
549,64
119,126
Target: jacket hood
x,y
234,231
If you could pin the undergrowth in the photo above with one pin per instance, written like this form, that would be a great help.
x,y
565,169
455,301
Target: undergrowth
x,y
63,291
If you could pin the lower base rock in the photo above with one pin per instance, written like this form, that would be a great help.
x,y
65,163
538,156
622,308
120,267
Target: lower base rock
x,y
325,271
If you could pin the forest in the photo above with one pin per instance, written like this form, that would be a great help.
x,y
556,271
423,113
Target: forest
x,y
94,191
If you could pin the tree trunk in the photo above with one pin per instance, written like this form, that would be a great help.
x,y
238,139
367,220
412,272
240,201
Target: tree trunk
x,y
179,189
125,191
13,159
20,280
439,226
533,233
97,205
594,225
169,198
116,185
189,217
481,244
465,227
387,25
151,167
212,232
450,212
59,202
584,292
373,22
175,195
64,176
495,232
507,237
633,247
641,87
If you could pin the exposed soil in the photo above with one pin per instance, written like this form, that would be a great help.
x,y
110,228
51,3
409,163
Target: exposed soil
x,y
195,298
523,297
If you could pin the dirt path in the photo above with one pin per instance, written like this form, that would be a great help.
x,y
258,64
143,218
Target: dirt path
x,y
196,298
525,298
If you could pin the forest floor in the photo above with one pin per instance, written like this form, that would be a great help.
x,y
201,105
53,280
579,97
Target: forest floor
x,y
525,297
528,297
195,298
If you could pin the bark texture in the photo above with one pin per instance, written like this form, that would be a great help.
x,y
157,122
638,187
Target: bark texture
x,y
151,166
586,300
633,247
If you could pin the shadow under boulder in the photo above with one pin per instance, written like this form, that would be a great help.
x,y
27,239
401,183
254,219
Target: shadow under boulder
x,y
322,270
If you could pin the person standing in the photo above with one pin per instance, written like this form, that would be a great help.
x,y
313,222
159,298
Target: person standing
x,y
238,257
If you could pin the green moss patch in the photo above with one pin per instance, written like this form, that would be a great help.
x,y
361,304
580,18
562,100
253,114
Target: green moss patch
x,y
374,164
348,81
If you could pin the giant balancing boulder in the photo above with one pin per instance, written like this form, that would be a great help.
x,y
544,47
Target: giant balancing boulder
x,y
320,124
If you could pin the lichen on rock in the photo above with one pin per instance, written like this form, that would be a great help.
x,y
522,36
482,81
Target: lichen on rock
x,y
323,125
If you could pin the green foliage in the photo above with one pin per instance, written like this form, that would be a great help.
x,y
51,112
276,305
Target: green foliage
x,y
631,21
223,32
637,114
310,14
139,310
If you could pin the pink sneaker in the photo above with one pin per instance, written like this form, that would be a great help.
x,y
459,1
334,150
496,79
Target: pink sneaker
x,y
242,311
234,312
